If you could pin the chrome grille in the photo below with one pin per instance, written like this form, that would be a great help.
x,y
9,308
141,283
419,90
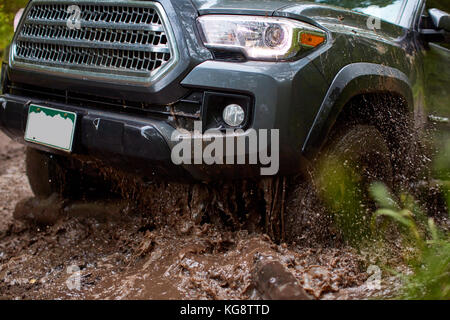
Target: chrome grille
x,y
116,39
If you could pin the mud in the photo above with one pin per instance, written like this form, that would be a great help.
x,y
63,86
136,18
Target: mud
x,y
119,252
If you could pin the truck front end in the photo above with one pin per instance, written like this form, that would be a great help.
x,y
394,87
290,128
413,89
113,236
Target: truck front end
x,y
125,81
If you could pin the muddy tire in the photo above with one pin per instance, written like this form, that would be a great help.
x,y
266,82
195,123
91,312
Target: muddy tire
x,y
355,158
335,204
45,174
390,115
363,150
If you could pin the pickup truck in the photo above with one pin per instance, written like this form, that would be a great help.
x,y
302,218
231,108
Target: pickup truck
x,y
125,82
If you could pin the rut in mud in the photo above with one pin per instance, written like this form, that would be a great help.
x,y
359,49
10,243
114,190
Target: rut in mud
x,y
123,253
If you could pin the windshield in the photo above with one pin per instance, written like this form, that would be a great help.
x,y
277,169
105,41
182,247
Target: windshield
x,y
388,10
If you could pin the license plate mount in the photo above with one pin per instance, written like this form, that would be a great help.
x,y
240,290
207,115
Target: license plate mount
x,y
51,127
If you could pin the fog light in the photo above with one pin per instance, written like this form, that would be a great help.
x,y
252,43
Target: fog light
x,y
233,115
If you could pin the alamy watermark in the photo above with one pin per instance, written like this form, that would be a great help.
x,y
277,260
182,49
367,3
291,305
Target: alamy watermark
x,y
74,20
373,23
233,146
73,282
374,281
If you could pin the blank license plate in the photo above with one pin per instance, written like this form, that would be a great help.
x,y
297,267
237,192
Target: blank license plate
x,y
51,127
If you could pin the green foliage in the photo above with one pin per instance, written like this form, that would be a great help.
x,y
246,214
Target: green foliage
x,y
8,10
341,191
398,228
437,77
443,5
430,261
431,277
442,168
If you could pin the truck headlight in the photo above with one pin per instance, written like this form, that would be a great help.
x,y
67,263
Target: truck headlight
x,y
260,38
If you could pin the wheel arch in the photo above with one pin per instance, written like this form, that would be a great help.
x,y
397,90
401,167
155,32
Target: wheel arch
x,y
357,79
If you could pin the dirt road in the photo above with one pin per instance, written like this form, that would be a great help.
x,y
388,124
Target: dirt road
x,y
102,255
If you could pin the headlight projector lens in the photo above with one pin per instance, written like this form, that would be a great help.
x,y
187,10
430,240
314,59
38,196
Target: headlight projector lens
x,y
274,36
233,115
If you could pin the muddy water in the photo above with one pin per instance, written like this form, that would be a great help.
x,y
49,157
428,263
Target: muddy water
x,y
134,255
129,263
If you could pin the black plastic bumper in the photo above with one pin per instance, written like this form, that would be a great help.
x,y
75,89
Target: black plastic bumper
x,y
134,143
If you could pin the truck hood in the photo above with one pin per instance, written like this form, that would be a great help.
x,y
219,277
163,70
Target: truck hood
x,y
267,7
332,17
300,8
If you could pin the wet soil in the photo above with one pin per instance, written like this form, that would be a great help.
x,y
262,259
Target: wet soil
x,y
106,249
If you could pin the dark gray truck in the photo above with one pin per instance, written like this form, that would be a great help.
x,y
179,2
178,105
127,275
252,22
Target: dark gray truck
x,y
111,81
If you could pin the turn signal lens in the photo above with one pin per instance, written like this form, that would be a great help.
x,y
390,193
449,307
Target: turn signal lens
x,y
311,40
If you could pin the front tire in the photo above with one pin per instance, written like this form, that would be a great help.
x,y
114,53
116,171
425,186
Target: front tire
x,y
334,202
363,150
45,174
355,158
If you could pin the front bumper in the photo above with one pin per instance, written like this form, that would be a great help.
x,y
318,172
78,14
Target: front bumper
x,y
122,140
143,145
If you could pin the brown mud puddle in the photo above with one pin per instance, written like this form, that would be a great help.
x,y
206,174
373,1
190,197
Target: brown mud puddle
x,y
129,256
130,262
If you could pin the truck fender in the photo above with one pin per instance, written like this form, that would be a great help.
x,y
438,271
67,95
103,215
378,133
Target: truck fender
x,y
352,80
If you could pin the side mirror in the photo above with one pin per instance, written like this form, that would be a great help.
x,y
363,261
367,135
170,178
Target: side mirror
x,y
441,19
436,26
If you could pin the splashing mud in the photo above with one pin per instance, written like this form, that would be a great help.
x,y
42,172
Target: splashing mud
x,y
179,242
126,254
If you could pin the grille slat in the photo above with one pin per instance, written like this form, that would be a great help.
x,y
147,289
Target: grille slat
x,y
115,39
89,12
88,24
94,45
